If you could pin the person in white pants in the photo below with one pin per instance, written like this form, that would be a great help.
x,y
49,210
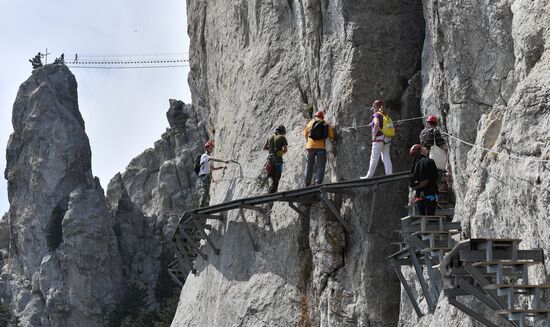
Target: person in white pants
x,y
380,143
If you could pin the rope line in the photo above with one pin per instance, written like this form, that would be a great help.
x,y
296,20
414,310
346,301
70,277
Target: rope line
x,y
493,151
128,67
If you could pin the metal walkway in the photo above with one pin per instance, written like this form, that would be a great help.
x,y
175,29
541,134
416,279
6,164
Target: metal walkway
x,y
489,269
192,227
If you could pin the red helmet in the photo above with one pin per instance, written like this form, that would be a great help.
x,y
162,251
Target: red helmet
x,y
415,150
209,144
378,103
320,114
432,119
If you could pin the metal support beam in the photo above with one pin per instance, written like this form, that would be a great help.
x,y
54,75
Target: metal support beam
x,y
241,213
482,281
476,316
337,190
475,292
203,233
423,284
184,263
433,278
408,290
335,212
191,244
300,212
207,216
175,278
249,207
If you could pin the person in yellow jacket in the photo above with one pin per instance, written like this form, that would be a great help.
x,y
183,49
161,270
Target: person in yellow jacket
x,y
316,133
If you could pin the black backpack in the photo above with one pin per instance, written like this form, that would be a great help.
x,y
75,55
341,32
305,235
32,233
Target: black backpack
x,y
197,164
319,131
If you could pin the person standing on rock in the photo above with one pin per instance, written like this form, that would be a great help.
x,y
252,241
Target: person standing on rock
x,y
380,142
277,147
316,132
205,173
423,180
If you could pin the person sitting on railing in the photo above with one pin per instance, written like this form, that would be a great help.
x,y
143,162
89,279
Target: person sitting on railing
x,y
205,173
423,179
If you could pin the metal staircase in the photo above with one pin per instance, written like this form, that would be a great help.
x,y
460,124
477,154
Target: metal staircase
x,y
492,270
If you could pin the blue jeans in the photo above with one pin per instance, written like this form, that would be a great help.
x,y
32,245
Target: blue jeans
x,y
317,157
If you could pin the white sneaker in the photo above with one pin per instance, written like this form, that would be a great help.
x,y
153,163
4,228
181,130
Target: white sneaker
x,y
364,177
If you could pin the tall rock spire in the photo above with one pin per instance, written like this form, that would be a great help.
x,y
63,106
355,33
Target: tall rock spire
x,y
64,260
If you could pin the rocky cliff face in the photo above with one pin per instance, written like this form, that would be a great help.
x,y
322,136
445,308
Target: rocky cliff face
x,y
62,269
484,70
75,254
256,65
148,198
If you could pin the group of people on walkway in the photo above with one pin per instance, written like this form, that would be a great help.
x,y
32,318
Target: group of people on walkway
x,y
317,133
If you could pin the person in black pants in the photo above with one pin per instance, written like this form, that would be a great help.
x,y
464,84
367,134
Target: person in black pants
x,y
277,147
423,179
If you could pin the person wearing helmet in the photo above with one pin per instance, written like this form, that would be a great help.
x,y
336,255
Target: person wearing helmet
x,y
380,143
205,173
277,147
316,133
423,180
430,134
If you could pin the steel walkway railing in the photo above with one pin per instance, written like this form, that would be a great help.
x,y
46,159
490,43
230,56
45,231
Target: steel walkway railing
x,y
192,224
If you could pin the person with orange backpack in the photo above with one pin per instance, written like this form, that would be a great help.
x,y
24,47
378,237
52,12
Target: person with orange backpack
x,y
316,132
382,132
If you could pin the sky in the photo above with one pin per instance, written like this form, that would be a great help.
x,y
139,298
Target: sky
x,y
124,109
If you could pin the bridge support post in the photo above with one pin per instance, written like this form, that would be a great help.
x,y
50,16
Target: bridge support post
x,y
335,212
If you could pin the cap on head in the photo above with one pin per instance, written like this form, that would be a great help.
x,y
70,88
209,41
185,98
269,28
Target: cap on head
x,y
415,150
378,103
432,119
281,129
209,144
320,114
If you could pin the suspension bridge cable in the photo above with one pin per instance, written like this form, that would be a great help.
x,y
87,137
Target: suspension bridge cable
x,y
128,67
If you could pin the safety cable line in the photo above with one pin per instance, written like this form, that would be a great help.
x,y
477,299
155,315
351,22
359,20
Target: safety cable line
x,y
351,128
125,62
346,129
493,151
128,67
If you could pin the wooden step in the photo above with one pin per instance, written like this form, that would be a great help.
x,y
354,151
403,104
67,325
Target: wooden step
x,y
528,312
461,272
435,248
436,232
504,263
516,286
419,217
480,255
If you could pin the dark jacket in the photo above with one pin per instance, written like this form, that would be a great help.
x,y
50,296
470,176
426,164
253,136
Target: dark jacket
x,y
429,135
424,168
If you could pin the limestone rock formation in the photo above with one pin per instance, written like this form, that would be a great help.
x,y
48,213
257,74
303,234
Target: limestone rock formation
x,y
484,70
63,267
147,199
256,65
